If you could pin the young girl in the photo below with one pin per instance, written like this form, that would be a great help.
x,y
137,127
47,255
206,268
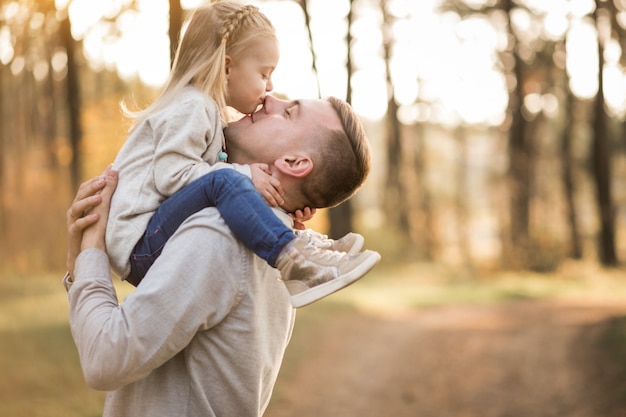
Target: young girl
x,y
173,162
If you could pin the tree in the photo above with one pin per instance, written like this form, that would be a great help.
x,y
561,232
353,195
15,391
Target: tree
x,y
72,84
519,159
601,149
341,216
395,195
567,172
3,140
461,200
307,21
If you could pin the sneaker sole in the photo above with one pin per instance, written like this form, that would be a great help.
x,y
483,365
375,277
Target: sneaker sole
x,y
317,293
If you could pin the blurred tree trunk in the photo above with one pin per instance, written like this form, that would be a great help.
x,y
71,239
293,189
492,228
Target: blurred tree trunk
x,y
601,153
73,101
307,21
19,109
426,236
519,163
176,23
616,11
341,217
461,201
48,114
567,175
395,196
3,152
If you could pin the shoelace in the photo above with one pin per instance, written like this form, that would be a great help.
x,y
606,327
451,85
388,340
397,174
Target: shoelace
x,y
328,255
316,239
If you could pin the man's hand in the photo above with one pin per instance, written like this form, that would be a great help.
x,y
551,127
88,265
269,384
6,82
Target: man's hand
x,y
89,208
268,186
301,216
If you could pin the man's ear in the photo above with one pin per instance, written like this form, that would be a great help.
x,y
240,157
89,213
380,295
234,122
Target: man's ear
x,y
294,166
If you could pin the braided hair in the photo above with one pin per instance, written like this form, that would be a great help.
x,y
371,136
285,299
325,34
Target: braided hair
x,y
214,30
236,20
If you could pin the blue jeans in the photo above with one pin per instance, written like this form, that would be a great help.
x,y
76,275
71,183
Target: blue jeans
x,y
239,203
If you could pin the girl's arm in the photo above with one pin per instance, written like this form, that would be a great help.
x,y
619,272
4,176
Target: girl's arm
x,y
185,139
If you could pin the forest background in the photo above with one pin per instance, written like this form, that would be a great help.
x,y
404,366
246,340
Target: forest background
x,y
499,165
497,126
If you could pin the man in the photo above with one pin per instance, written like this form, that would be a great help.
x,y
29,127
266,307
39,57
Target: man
x,y
205,332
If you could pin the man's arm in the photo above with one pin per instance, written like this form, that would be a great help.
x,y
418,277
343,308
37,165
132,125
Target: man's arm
x,y
191,287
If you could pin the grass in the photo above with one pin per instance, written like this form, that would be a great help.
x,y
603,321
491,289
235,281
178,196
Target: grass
x,y
42,376
612,351
394,288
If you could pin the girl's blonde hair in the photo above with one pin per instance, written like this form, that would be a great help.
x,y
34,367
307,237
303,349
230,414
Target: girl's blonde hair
x,y
214,30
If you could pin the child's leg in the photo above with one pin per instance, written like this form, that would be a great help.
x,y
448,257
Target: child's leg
x,y
247,214
239,203
309,273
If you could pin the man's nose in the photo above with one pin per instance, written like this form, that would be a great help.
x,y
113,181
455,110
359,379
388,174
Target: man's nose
x,y
268,104
272,105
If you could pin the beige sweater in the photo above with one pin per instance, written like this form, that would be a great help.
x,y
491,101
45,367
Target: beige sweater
x,y
203,335
175,146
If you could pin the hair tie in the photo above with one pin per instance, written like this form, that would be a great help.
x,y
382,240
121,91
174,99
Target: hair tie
x,y
224,40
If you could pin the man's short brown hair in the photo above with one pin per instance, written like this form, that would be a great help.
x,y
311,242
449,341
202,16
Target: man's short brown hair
x,y
341,159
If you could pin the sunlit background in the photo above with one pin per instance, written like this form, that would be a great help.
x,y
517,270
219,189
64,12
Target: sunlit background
x,y
439,204
451,70
447,62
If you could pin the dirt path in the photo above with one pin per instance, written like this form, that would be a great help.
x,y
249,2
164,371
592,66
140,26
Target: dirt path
x,y
522,359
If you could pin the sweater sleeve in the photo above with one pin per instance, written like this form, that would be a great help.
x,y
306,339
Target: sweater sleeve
x,y
122,343
182,139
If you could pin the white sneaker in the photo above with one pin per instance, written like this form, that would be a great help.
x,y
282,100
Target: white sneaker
x,y
351,243
311,273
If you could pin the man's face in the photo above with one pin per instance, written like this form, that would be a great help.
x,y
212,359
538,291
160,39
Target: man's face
x,y
280,127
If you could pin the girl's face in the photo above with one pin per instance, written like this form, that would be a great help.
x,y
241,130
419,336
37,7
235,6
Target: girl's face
x,y
250,75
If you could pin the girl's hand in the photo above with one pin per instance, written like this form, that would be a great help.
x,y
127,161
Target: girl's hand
x,y
301,216
268,186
